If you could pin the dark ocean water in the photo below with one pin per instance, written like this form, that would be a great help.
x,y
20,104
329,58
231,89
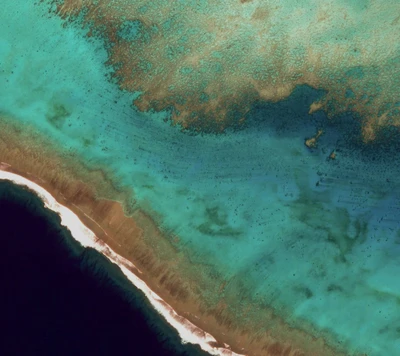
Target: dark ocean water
x,y
58,298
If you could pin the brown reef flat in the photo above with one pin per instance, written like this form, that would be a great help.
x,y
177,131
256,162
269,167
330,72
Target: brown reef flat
x,y
209,66
135,236
312,142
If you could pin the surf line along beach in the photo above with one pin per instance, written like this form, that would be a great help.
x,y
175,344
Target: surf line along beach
x,y
188,332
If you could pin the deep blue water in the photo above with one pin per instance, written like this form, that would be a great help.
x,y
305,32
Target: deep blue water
x,y
58,298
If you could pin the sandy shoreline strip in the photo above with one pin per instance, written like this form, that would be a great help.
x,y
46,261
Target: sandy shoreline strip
x,y
188,332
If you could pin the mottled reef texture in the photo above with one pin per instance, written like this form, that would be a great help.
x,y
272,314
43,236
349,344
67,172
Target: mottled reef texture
x,y
192,290
210,61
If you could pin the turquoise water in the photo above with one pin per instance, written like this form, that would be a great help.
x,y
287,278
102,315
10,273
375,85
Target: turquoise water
x,y
316,239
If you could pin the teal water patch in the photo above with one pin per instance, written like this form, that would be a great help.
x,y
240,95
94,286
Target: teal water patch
x,y
313,237
130,30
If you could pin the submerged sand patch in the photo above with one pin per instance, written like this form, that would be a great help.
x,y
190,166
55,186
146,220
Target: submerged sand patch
x,y
152,258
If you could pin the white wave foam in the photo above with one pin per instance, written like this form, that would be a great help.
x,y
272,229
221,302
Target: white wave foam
x,y
188,332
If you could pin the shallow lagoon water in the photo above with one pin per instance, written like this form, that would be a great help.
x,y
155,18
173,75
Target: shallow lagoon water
x,y
314,238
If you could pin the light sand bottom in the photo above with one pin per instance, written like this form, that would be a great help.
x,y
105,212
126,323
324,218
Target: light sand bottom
x,y
145,255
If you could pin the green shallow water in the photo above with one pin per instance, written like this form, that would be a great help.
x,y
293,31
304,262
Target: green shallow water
x,y
315,239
